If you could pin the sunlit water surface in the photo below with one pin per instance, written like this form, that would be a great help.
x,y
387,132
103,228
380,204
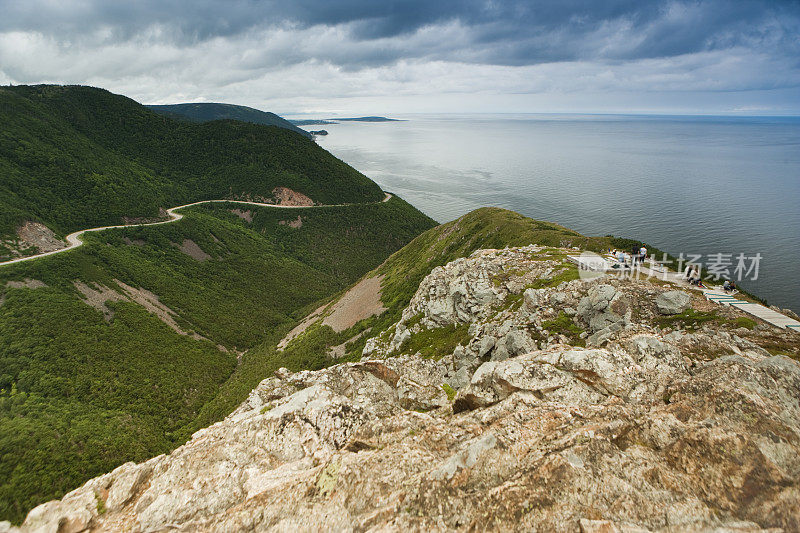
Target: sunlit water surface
x,y
702,185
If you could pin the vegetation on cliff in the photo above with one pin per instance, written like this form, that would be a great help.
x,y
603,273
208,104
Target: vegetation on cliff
x,y
404,270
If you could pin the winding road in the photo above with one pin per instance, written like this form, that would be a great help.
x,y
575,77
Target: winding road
x,y
74,239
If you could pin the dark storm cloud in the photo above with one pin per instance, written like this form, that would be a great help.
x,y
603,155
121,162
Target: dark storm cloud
x,y
415,54
493,32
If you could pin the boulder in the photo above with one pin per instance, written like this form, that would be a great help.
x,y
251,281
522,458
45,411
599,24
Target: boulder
x,y
531,299
513,343
486,345
420,397
126,482
605,311
532,373
672,302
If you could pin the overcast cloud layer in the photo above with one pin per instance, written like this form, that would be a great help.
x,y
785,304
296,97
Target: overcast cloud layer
x,y
327,56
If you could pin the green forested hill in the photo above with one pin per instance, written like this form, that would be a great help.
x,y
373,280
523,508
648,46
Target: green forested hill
x,y
204,112
73,157
81,393
120,349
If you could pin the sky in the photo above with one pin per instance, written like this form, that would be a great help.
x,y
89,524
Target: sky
x,y
340,57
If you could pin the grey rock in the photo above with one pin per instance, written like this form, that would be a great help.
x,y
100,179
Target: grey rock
x,y
486,345
600,296
558,298
603,308
416,396
531,299
672,302
518,342
466,457
127,479
460,379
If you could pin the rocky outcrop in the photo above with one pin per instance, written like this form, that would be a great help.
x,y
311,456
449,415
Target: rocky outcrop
x,y
34,234
547,439
31,237
605,310
286,196
672,302
519,427
483,291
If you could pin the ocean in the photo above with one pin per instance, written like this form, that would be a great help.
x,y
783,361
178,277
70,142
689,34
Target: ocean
x,y
693,185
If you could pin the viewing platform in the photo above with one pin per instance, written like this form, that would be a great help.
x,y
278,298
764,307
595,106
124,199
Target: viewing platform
x,y
597,265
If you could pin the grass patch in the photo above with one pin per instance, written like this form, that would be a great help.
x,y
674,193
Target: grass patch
x,y
564,325
101,505
450,391
569,273
689,318
777,345
414,320
741,322
512,301
435,343
503,277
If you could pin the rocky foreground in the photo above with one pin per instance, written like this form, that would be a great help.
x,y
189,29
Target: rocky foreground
x,y
569,406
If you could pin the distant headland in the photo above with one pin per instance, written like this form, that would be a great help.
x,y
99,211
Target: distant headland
x,y
323,122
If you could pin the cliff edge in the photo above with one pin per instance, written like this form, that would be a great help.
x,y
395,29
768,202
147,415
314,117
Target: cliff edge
x,y
509,396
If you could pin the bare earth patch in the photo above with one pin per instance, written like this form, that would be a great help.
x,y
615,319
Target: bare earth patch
x,y
362,301
297,223
190,248
150,301
286,196
97,296
133,242
27,283
244,215
38,235
301,327
339,350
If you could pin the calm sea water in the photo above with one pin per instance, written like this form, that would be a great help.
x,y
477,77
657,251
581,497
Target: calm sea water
x,y
701,185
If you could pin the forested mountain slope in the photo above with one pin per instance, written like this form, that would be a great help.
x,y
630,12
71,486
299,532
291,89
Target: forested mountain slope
x,y
120,349
205,112
73,157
